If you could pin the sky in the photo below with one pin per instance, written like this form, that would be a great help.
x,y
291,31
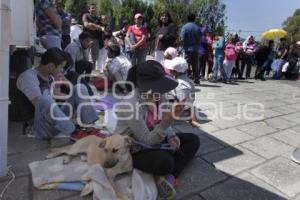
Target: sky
x,y
258,15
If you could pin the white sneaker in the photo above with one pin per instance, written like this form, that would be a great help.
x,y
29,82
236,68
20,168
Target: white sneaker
x,y
60,135
296,156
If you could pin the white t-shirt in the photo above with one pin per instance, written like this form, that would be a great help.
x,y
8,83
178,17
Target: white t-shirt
x,y
75,32
29,83
119,68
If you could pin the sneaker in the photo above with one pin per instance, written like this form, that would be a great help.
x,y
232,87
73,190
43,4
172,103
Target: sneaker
x,y
296,155
165,190
60,135
172,180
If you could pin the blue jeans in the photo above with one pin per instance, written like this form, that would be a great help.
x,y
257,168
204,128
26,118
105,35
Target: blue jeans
x,y
51,120
218,65
51,41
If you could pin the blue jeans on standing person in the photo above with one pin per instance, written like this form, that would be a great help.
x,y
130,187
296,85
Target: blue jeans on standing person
x,y
129,52
218,65
51,120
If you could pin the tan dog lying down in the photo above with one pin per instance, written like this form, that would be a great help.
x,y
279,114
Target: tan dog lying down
x,y
112,153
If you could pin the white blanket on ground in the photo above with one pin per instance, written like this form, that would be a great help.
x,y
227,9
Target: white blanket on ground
x,y
48,174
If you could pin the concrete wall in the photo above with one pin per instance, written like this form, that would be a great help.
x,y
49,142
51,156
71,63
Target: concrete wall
x,y
4,81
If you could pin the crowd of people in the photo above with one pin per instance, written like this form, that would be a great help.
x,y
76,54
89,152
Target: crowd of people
x,y
93,47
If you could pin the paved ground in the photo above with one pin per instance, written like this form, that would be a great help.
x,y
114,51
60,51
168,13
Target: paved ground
x,y
252,128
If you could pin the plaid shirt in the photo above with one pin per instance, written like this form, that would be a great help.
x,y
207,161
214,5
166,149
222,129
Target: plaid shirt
x,y
66,27
46,27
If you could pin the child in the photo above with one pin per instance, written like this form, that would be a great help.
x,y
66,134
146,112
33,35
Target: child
x,y
169,54
185,89
230,57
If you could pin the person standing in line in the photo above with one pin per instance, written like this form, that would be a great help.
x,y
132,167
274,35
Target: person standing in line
x,y
250,48
240,55
191,38
136,37
66,26
91,23
262,55
283,55
49,24
210,52
120,37
165,35
218,46
203,47
230,57
104,37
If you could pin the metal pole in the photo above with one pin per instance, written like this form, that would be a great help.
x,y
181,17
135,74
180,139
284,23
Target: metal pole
x,y
4,82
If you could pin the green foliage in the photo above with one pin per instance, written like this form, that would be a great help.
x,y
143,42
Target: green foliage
x,y
178,9
292,26
77,8
211,13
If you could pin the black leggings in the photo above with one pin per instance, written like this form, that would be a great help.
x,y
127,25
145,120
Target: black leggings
x,y
160,162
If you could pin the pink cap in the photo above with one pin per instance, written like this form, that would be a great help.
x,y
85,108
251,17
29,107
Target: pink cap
x,y
137,15
171,51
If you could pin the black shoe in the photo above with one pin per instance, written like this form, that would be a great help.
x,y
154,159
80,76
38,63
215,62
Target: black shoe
x,y
263,79
197,82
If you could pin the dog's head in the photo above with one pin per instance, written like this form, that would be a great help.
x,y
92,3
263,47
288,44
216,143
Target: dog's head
x,y
114,148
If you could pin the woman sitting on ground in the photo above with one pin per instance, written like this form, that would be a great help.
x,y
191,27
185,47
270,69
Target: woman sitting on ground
x,y
139,116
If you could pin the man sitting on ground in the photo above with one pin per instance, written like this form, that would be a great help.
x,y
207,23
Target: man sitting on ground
x,y
78,48
118,65
50,119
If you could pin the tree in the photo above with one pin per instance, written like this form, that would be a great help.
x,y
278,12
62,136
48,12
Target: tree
x,y
178,9
211,14
77,8
292,26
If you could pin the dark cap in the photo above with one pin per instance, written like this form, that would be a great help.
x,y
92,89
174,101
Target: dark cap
x,y
153,79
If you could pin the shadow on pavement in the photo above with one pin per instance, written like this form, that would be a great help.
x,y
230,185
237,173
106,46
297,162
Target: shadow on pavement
x,y
202,179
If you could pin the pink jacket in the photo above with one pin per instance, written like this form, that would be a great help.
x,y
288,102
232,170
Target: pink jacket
x,y
230,53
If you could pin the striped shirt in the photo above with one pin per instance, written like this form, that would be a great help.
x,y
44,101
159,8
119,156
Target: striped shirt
x,y
46,27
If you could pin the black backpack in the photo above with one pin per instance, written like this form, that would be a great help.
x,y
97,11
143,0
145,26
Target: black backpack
x,y
20,108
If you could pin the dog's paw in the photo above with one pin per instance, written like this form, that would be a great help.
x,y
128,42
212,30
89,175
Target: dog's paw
x,y
88,189
50,155
83,158
67,159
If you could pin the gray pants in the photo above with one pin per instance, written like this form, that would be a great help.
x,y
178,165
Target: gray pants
x,y
51,120
139,56
94,52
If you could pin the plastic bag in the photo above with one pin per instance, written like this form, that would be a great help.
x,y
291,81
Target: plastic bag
x,y
285,67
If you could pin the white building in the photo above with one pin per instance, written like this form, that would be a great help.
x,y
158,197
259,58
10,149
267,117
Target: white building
x,y
16,28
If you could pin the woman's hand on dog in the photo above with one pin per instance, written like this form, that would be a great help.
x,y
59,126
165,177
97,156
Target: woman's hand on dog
x,y
174,142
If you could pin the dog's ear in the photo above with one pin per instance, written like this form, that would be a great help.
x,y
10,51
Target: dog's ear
x,y
129,140
102,143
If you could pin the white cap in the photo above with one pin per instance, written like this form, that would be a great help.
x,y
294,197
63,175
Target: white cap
x,y
171,51
178,64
